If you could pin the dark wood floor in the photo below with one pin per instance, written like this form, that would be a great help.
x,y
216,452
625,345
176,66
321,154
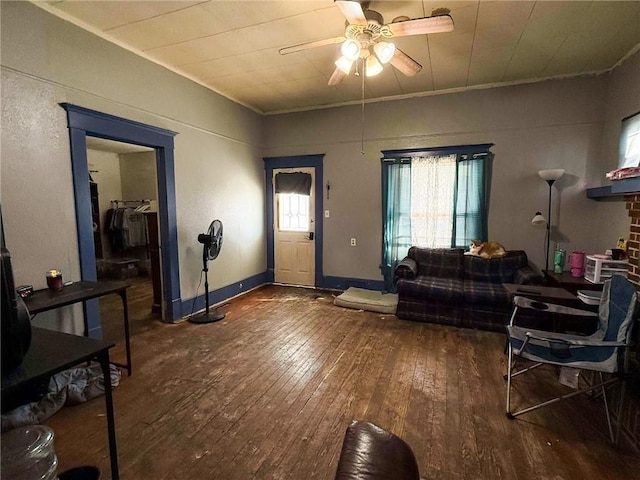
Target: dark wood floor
x,y
268,392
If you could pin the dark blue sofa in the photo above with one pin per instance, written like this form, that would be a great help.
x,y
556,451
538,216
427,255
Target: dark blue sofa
x,y
442,285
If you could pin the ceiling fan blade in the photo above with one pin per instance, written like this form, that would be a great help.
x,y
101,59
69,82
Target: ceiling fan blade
x,y
352,10
314,44
420,26
405,63
337,77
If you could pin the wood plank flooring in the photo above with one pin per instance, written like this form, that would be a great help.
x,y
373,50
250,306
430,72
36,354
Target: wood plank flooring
x,y
268,392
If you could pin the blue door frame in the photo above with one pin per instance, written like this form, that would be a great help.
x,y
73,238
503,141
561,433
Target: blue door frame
x,y
272,163
83,122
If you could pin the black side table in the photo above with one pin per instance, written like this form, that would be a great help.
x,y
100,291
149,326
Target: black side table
x,y
568,282
52,352
45,299
545,321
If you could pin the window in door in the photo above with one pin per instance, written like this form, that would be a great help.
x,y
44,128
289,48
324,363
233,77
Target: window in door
x,y
293,212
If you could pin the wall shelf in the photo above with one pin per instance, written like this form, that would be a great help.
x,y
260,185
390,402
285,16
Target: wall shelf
x,y
616,191
602,193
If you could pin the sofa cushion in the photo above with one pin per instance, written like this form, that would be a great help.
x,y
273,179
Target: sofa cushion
x,y
439,262
432,288
410,308
494,270
485,293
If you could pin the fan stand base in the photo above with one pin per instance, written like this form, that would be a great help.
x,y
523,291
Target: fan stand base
x,y
207,317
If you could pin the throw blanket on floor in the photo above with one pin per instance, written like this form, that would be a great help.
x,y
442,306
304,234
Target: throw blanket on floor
x,y
70,387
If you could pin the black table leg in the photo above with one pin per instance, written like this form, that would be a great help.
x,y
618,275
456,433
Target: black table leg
x,y
125,306
103,358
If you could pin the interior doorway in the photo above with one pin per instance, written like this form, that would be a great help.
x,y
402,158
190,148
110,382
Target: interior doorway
x,y
124,207
84,123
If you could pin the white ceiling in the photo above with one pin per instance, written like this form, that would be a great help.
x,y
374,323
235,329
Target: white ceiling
x,y
232,47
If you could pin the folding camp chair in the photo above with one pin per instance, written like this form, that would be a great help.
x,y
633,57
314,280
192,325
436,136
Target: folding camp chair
x,y
600,352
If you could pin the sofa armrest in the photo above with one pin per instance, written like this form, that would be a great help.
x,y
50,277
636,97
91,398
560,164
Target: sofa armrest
x,y
527,276
407,268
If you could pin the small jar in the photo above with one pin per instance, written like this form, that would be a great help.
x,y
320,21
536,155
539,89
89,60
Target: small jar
x,y
54,280
28,454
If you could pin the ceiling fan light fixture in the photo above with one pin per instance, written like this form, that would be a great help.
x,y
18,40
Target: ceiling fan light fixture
x,y
350,49
374,67
367,40
385,51
344,64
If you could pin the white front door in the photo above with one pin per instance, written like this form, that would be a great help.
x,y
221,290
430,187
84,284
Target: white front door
x,y
294,234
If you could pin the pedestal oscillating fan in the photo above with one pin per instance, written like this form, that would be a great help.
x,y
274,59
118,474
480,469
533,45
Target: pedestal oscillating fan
x,y
211,245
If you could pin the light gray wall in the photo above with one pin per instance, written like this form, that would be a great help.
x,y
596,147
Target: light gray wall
x,y
107,177
138,176
219,146
622,100
553,124
218,163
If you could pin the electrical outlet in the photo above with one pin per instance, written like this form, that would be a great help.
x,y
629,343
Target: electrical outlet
x,y
326,214
353,242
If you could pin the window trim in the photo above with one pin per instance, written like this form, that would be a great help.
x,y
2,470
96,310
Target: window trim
x,y
406,153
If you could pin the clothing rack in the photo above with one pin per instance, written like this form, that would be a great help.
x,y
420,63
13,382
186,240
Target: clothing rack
x,y
130,201
126,225
126,203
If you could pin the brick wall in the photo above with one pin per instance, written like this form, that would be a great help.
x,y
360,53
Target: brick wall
x,y
631,409
633,243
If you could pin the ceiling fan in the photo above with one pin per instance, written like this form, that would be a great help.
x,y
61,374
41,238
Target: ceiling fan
x,y
366,38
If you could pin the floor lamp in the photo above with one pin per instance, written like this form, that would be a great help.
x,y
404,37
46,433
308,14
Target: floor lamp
x,y
549,176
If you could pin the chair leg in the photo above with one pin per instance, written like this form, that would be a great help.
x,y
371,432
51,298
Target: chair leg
x,y
563,397
606,408
619,418
623,387
510,365
525,370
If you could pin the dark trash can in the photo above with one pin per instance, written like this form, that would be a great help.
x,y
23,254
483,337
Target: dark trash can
x,y
85,472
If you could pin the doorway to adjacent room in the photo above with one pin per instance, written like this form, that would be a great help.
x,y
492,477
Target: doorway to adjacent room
x,y
124,207
84,123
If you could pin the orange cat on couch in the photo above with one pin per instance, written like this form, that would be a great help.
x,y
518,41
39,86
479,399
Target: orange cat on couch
x,y
486,249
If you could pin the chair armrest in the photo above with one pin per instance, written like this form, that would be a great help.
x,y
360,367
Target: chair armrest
x,y
527,276
577,343
523,302
407,268
564,344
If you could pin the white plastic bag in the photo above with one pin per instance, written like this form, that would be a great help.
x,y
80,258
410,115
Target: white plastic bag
x,y
569,376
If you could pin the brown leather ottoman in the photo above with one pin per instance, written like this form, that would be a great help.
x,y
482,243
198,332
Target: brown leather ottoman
x,y
372,453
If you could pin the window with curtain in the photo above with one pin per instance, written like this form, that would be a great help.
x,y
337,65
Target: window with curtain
x,y
433,198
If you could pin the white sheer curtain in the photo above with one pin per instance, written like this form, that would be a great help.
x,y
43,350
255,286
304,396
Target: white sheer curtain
x,y
433,181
